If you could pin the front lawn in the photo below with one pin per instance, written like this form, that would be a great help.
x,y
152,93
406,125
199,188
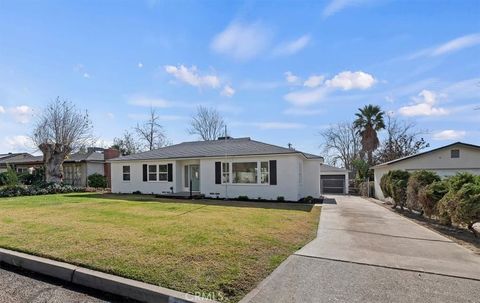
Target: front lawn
x,y
224,248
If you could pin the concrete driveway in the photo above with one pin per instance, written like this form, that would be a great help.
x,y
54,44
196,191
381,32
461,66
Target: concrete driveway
x,y
366,253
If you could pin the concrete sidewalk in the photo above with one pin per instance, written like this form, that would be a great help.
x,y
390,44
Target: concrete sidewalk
x,y
364,252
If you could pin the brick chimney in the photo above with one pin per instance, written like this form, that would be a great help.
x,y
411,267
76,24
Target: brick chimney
x,y
108,154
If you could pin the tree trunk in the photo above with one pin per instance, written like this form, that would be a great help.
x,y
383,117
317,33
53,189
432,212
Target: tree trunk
x,y
53,157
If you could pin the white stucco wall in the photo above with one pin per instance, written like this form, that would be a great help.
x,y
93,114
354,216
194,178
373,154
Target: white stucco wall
x,y
136,178
438,161
311,178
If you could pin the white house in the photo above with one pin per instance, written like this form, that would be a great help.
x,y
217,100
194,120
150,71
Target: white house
x,y
225,167
445,161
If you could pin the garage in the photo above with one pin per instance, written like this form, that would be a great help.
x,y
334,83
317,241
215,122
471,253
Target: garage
x,y
333,180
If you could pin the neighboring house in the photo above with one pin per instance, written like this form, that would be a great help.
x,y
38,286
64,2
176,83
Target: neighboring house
x,y
76,168
333,180
222,168
7,158
445,161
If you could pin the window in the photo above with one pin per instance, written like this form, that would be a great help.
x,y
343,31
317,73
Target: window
x,y
264,172
126,173
163,172
244,172
152,173
225,172
455,153
185,175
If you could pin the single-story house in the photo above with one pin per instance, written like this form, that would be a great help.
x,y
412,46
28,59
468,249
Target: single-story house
x,y
5,159
445,161
76,168
224,168
333,180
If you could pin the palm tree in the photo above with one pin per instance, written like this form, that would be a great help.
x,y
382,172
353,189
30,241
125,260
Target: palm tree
x,y
368,122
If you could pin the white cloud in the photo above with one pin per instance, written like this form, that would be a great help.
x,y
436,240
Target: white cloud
x,y
242,41
140,65
348,80
17,143
149,102
457,44
337,5
227,91
424,106
313,81
303,111
2,110
291,78
307,97
449,134
278,125
292,47
86,75
21,114
192,77
111,116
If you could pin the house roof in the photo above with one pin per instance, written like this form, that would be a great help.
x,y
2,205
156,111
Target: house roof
x,y
329,169
215,148
4,158
427,152
77,157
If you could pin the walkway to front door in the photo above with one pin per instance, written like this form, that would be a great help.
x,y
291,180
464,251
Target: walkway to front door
x,y
366,253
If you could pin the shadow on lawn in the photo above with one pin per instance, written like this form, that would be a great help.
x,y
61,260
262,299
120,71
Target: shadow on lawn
x,y
149,198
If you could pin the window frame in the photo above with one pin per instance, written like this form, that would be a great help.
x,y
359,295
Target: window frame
x,y
226,172
162,173
129,173
457,153
258,172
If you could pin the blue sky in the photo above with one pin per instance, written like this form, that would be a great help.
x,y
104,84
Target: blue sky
x,y
278,71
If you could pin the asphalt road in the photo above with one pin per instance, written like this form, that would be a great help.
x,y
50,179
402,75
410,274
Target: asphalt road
x,y
366,253
18,286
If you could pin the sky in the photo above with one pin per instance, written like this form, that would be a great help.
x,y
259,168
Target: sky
x,y
277,71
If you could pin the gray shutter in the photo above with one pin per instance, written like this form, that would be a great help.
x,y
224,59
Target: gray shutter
x,y
273,172
170,172
218,172
145,172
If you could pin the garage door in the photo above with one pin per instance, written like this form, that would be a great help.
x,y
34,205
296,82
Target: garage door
x,y
332,184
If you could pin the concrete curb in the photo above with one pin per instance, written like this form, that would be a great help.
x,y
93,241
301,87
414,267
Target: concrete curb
x,y
97,280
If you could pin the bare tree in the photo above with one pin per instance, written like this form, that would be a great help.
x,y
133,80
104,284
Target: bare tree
x,y
342,144
207,123
402,140
127,144
60,130
151,132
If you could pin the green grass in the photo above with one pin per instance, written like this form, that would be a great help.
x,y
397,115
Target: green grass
x,y
224,248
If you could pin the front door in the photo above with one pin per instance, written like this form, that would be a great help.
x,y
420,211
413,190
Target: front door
x,y
195,177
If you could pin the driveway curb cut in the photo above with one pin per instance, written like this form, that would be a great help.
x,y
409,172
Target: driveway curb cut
x,y
116,285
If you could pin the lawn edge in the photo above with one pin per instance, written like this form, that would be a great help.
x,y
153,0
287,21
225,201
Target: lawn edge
x,y
108,283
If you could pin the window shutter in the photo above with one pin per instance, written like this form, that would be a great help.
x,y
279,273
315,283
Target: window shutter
x,y
218,172
170,172
273,172
145,172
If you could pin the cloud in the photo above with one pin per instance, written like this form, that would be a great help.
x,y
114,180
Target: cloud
x,y
21,114
242,41
424,106
345,80
292,47
227,91
279,125
303,111
337,5
86,75
449,134
80,69
313,81
149,102
17,143
348,80
111,116
291,78
451,46
192,77
2,110
140,65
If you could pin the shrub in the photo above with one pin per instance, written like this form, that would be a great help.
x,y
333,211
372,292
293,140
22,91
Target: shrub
x,y
243,198
137,192
280,198
467,208
23,190
417,181
97,181
447,205
35,178
384,185
8,178
429,196
397,184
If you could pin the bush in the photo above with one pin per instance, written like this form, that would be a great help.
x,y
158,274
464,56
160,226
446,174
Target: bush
x,y
23,190
467,208
384,186
418,181
97,181
429,196
8,178
280,198
243,198
35,178
397,186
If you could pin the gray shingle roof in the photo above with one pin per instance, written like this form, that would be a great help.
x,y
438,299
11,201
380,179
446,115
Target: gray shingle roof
x,y
77,157
214,148
330,169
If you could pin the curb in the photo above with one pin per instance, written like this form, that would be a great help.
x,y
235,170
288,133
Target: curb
x,y
116,285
